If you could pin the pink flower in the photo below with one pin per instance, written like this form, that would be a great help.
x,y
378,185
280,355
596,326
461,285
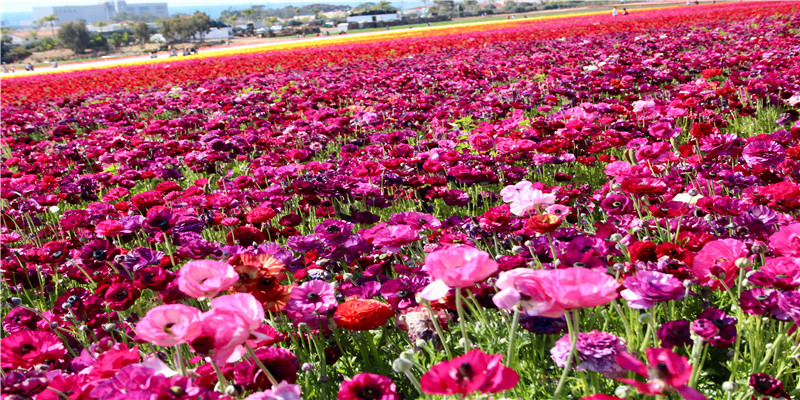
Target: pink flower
x,y
169,325
243,304
474,371
459,267
367,386
222,335
28,348
205,278
522,286
786,241
667,371
573,288
717,261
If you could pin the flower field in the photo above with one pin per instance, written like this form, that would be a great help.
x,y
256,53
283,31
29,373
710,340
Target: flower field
x,y
587,207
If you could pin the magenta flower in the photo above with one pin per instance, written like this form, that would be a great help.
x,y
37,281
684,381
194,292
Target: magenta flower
x,y
25,349
458,267
716,263
367,386
169,325
206,278
668,371
284,391
786,241
223,333
646,288
472,372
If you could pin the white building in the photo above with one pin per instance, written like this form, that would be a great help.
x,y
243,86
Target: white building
x,y
103,11
373,18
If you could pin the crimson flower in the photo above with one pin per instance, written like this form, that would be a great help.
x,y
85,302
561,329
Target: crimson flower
x,y
474,371
27,348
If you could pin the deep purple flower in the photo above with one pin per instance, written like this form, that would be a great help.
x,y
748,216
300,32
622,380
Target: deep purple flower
x,y
280,362
646,288
23,384
542,325
675,334
767,385
617,205
401,292
789,303
334,232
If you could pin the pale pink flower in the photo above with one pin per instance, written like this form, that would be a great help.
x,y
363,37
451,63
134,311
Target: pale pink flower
x,y
522,286
529,199
573,288
243,304
786,241
509,193
284,391
716,263
169,325
205,278
458,267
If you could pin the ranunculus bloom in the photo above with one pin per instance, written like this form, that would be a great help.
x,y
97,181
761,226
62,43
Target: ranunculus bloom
x,y
367,386
716,263
522,286
667,371
472,372
646,288
786,241
768,385
169,325
27,348
544,223
597,352
206,278
222,334
574,288
458,267
362,314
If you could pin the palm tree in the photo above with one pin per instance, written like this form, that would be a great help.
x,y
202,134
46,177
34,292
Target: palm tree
x,y
52,18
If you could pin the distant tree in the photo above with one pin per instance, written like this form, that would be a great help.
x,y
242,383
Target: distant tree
x,y
98,42
141,32
248,13
75,36
51,19
201,24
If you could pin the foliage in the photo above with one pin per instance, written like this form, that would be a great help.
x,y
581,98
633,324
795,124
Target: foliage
x,y
75,36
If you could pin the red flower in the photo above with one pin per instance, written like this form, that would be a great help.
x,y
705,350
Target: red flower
x,y
362,314
260,214
244,236
147,200
544,223
711,72
701,129
643,251
474,371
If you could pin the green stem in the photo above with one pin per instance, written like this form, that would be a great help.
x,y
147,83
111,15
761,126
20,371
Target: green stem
x,y
512,348
222,381
461,321
573,341
435,321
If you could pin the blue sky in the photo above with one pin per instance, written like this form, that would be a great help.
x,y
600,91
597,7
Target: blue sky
x,y
17,6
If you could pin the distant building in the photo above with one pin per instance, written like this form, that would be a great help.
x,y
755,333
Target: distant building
x,y
104,11
373,18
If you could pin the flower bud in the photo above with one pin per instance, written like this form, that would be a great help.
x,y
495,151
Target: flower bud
x,y
401,365
646,318
234,390
517,249
324,379
622,392
307,367
730,386
760,248
743,262
615,238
